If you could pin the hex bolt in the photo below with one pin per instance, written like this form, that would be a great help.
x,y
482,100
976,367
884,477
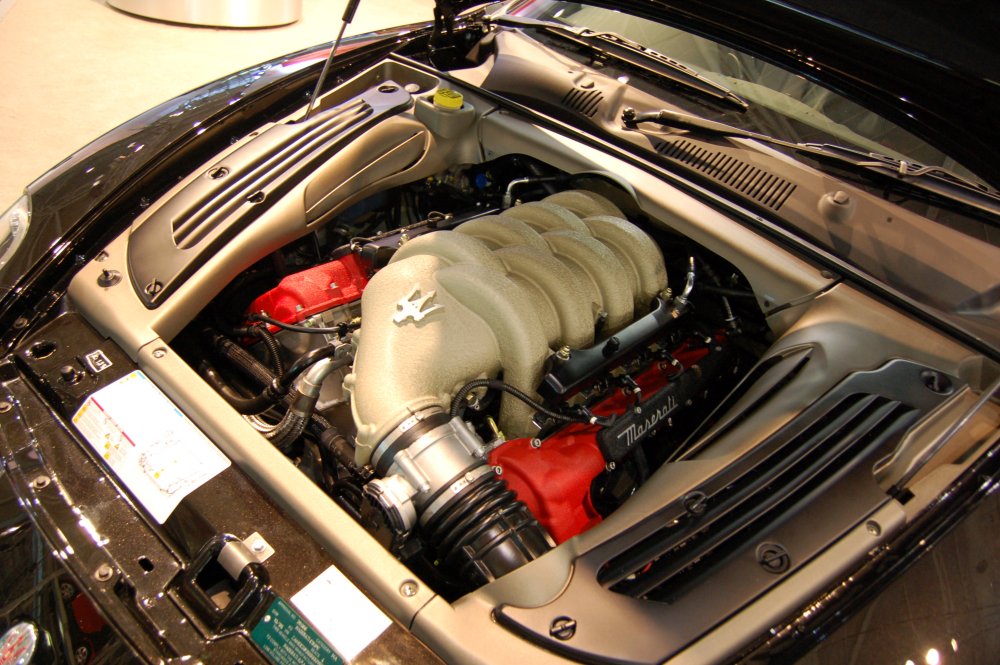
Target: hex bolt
x,y
159,353
873,528
563,628
104,573
40,482
5,407
408,589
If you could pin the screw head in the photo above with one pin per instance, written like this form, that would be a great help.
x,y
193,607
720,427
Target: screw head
x,y
873,528
108,278
104,573
536,443
258,546
5,407
408,589
40,482
695,503
159,353
773,558
563,628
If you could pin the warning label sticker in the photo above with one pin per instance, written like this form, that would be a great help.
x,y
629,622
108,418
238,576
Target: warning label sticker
x,y
153,448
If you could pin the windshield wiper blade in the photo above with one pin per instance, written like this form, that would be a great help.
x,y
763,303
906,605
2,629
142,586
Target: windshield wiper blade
x,y
635,55
928,179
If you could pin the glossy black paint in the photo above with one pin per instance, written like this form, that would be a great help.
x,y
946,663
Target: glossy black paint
x,y
970,507
148,590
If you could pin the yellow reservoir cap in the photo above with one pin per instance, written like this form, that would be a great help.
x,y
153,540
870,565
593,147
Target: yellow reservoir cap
x,y
448,100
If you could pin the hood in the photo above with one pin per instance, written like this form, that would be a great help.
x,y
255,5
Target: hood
x,y
928,67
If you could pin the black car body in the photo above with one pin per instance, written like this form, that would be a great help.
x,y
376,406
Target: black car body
x,y
525,343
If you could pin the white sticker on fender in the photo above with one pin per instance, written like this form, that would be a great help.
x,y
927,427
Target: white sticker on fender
x,y
341,613
151,446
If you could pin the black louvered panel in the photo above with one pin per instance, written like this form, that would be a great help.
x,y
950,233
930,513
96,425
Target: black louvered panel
x,y
665,564
587,102
201,219
766,188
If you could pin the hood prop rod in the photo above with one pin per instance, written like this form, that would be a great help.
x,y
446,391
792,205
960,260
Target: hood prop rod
x,y
352,7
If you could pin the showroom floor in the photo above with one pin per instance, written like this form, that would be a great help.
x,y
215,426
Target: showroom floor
x,y
74,69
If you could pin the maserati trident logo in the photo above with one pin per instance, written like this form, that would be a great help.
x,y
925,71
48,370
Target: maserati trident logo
x,y
415,306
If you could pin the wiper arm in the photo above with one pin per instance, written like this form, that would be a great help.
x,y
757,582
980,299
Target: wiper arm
x,y
633,54
929,179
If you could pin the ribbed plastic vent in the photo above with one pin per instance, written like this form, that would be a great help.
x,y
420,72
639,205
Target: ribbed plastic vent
x,y
246,184
586,102
766,188
667,563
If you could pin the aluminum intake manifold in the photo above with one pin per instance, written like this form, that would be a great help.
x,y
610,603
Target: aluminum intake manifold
x,y
496,295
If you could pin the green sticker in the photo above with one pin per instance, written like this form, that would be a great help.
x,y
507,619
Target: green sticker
x,y
286,639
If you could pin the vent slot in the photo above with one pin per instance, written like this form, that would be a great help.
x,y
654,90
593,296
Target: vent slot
x,y
587,102
668,562
766,188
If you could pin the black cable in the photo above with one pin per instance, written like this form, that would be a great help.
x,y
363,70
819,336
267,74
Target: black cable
x,y
339,330
494,384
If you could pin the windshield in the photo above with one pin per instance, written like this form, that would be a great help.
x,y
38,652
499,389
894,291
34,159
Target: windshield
x,y
777,96
945,256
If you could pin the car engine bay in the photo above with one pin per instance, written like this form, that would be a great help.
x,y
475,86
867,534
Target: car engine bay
x,y
475,352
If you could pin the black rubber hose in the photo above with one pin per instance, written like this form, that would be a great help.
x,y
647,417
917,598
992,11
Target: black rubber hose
x,y
485,532
494,384
272,346
274,388
241,359
306,360
243,405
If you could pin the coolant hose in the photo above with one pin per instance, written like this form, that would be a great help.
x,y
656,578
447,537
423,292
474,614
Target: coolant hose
x,y
306,394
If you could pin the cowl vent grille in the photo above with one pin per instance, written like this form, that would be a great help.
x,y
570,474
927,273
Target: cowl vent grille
x,y
195,224
664,565
587,102
765,188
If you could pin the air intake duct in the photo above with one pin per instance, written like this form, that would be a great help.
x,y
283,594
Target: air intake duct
x,y
435,481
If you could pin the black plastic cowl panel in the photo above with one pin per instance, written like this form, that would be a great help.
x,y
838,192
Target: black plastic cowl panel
x,y
648,592
181,234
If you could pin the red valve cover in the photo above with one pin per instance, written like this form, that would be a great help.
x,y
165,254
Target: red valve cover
x,y
554,479
314,290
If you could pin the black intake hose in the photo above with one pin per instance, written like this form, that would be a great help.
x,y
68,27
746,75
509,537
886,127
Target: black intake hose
x,y
485,533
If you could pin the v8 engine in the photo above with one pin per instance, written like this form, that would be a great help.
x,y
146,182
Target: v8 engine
x,y
500,388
